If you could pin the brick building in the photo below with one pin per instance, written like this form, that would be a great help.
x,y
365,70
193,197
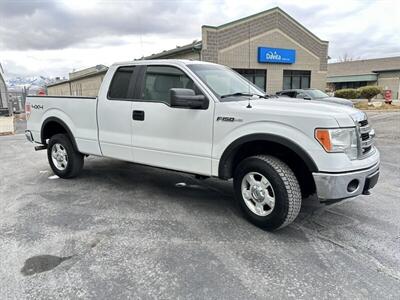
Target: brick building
x,y
270,48
384,72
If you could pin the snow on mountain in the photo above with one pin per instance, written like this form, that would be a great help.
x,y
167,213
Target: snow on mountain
x,y
33,84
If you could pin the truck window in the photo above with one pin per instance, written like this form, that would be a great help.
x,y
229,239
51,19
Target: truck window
x,y
223,80
160,79
119,86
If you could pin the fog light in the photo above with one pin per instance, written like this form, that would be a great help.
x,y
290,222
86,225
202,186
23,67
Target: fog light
x,y
353,185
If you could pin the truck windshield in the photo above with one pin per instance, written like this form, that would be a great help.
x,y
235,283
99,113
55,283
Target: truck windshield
x,y
225,83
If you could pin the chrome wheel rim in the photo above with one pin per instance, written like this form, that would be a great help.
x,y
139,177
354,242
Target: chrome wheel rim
x,y
258,194
59,156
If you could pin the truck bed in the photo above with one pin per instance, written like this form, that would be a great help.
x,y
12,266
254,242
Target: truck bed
x,y
78,113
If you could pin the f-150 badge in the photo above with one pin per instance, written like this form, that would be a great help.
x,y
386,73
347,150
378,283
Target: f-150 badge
x,y
229,119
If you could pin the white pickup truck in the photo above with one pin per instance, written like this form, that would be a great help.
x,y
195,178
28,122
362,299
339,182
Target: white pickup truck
x,y
207,120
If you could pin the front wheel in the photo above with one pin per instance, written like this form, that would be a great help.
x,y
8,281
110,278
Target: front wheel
x,y
63,159
268,192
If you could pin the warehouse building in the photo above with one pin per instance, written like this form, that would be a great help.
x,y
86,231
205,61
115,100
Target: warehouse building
x,y
384,72
270,48
85,82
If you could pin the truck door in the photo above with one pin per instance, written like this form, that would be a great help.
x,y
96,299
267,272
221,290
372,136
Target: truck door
x,y
114,114
170,137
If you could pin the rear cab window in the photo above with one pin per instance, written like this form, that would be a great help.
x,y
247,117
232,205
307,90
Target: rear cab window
x,y
121,87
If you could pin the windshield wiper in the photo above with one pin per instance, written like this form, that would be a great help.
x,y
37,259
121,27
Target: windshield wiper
x,y
240,94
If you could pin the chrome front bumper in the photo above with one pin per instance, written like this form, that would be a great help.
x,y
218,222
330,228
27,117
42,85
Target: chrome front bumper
x,y
336,186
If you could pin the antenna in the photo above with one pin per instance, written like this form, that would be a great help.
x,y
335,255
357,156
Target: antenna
x,y
140,37
249,104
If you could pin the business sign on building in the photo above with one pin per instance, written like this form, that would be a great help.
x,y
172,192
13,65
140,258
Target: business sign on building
x,y
276,55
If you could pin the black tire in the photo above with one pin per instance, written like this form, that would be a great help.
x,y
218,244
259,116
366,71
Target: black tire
x,y
286,191
74,159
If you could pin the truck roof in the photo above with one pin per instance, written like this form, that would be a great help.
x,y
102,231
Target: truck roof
x,y
160,61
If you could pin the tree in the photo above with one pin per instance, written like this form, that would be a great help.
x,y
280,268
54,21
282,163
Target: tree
x,y
346,57
369,91
347,93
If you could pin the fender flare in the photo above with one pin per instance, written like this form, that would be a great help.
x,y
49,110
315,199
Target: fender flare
x,y
62,124
224,167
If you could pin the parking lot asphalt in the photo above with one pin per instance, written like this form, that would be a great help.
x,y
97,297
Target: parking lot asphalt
x,y
121,230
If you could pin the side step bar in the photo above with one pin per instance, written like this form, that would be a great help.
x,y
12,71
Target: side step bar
x,y
29,137
41,147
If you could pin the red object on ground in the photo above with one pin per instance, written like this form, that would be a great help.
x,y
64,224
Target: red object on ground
x,y
388,96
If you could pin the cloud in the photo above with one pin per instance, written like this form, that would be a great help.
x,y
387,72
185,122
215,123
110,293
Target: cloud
x,y
54,37
19,68
22,8
55,25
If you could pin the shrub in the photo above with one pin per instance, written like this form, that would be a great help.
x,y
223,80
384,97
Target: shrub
x,y
369,91
347,93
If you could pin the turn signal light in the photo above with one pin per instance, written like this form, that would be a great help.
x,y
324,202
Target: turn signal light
x,y
324,138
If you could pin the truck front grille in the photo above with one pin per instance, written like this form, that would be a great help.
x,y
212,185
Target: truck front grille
x,y
365,138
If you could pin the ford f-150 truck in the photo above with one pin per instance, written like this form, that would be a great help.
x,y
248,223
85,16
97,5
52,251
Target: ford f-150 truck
x,y
207,120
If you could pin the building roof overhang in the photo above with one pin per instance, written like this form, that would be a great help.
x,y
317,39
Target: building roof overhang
x,y
192,47
352,78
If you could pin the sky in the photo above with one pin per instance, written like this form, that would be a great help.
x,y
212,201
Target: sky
x,y
53,38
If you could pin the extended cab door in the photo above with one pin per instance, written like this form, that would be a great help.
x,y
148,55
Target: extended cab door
x,y
169,137
114,113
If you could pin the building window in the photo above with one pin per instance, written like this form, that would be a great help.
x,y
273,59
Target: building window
x,y
293,79
256,76
351,85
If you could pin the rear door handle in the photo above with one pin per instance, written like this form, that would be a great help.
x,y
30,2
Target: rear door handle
x,y
138,115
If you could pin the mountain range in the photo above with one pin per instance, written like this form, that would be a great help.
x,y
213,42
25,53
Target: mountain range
x,y
32,83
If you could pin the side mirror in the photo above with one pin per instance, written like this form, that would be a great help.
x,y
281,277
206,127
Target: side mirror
x,y
186,98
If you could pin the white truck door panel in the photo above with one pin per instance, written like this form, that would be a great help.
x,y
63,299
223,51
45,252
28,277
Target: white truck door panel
x,y
168,137
115,115
173,138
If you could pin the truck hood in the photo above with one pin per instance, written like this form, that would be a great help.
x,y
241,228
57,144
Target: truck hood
x,y
336,100
343,115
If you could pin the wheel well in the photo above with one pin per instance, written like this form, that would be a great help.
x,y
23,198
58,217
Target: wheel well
x,y
55,126
300,168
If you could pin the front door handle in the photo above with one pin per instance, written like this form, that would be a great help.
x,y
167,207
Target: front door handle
x,y
138,115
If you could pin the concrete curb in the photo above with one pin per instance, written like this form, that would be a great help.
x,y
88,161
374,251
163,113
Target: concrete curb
x,y
381,110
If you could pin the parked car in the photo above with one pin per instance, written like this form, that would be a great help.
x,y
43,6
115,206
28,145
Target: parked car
x,y
205,119
315,95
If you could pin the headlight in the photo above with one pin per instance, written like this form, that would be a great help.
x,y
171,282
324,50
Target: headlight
x,y
339,140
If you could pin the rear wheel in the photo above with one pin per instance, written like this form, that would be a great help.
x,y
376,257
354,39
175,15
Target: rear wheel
x,y
267,191
63,159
